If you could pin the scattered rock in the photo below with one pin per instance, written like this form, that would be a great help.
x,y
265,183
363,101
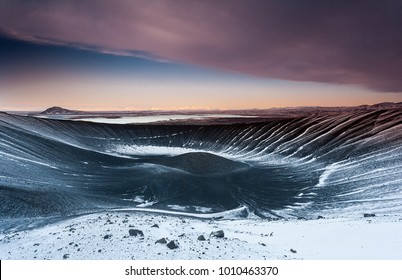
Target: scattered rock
x,y
320,217
107,236
155,226
161,241
135,232
301,218
293,251
263,244
172,245
99,250
218,234
66,256
366,215
182,235
201,238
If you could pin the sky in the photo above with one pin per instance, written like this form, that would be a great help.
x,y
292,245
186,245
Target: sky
x,y
185,54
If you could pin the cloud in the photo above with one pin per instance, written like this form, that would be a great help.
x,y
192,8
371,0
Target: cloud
x,y
343,42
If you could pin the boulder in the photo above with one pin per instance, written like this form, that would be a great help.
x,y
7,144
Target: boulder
x,y
172,245
366,215
161,241
201,238
217,234
135,232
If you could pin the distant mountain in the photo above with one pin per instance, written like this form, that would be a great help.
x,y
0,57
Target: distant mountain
x,y
388,105
250,112
59,111
383,105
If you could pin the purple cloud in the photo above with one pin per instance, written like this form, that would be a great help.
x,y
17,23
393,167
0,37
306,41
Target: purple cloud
x,y
344,42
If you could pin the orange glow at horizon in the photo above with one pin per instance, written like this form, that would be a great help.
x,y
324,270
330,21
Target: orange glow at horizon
x,y
98,97
103,93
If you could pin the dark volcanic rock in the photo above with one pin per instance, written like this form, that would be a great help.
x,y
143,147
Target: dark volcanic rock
x,y
366,215
320,217
218,234
293,251
66,256
135,232
161,241
202,163
172,245
107,236
201,238
155,226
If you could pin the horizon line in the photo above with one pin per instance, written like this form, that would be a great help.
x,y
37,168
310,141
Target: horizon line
x,y
195,109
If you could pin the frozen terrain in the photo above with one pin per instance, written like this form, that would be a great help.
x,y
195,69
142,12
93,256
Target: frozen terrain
x,y
106,236
339,165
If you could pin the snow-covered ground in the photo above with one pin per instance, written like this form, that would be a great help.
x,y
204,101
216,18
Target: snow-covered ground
x,y
106,236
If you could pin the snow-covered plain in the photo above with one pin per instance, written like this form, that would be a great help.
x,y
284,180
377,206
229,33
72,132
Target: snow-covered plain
x,y
106,236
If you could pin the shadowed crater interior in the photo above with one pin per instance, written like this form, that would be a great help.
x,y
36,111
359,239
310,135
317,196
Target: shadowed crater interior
x,y
202,163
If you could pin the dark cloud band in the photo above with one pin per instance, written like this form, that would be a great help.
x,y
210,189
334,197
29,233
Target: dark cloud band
x,y
344,42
